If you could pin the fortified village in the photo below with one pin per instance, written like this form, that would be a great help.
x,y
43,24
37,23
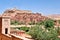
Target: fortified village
x,y
22,16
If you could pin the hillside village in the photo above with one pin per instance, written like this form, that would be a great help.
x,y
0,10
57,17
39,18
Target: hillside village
x,y
27,17
12,19
24,16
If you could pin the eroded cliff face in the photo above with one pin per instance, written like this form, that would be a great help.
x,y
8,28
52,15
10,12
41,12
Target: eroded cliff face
x,y
24,16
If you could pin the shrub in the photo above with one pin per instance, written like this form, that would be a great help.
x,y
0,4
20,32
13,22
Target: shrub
x,y
38,33
48,23
26,29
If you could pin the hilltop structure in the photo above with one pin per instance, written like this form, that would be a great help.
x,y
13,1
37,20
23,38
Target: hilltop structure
x,y
24,16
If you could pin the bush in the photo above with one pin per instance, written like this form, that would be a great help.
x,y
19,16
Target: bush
x,y
48,23
26,29
38,33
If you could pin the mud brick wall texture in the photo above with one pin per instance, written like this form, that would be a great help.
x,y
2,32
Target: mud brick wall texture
x,y
4,37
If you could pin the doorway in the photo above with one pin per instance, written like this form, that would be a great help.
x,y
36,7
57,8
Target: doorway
x,y
6,30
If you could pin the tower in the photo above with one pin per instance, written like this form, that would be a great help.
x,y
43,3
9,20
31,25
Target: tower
x,y
5,25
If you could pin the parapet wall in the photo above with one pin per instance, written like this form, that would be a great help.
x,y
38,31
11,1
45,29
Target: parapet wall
x,y
4,37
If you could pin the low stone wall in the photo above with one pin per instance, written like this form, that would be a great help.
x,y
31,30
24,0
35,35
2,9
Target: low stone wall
x,y
21,26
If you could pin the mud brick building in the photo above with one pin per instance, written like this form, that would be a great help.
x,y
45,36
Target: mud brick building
x,y
24,16
5,29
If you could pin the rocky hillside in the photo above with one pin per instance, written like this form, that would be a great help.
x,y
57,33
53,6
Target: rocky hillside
x,y
24,16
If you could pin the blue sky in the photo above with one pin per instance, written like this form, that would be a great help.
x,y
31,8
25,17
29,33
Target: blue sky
x,y
45,7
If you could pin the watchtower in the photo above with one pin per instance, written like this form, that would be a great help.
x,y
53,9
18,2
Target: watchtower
x,y
5,25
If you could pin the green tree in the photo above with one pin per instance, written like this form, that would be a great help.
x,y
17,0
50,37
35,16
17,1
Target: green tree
x,y
26,29
48,23
38,33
